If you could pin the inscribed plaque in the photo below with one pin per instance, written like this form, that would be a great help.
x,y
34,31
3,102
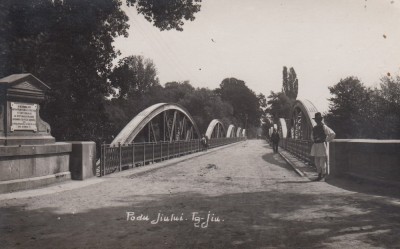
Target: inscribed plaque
x,y
23,116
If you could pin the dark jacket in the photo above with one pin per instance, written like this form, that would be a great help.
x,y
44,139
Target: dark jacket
x,y
275,137
319,135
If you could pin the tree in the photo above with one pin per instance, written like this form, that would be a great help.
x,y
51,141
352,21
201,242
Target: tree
x,y
246,105
390,90
266,126
290,83
134,76
350,109
262,100
279,106
205,105
167,14
388,107
136,80
176,91
360,112
202,103
69,45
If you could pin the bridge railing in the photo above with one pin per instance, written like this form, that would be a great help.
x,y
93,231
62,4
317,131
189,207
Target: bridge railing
x,y
215,142
125,156
299,148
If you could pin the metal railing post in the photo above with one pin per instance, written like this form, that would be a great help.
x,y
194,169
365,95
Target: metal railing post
x,y
120,156
103,163
153,153
144,153
133,155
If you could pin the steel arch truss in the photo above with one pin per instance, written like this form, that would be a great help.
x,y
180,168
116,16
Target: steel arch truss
x,y
301,123
239,132
231,131
282,128
216,129
159,122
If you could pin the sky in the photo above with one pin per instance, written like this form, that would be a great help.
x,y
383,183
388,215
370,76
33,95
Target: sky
x,y
323,40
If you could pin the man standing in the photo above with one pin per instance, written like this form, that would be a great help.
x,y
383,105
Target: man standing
x,y
204,142
321,135
275,140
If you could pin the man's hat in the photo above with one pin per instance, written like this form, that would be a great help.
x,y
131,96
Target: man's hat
x,y
317,116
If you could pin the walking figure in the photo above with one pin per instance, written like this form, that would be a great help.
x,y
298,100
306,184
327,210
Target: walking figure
x,y
275,140
204,142
321,135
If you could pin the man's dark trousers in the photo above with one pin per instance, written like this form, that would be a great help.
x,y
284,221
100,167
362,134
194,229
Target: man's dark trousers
x,y
275,147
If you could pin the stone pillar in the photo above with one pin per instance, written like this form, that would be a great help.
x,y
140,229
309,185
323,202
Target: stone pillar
x,y
83,160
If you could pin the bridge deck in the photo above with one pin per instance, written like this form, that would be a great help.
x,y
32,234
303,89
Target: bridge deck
x,y
259,200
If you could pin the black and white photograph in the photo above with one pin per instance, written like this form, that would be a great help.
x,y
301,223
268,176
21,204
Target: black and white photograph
x,y
200,124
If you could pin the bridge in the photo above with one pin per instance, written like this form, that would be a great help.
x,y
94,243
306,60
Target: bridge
x,y
164,131
160,188
161,132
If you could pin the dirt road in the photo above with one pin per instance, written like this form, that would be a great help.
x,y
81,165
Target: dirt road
x,y
242,196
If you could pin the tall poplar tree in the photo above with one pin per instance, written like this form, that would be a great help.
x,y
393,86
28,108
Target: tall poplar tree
x,y
290,83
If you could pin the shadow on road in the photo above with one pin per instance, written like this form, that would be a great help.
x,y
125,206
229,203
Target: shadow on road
x,y
250,220
343,182
277,160
302,180
364,186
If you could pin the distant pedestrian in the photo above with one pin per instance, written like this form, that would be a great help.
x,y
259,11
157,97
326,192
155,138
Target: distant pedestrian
x,y
204,142
321,135
275,140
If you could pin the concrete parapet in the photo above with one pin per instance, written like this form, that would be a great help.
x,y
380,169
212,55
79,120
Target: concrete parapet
x,y
83,160
33,182
367,158
29,166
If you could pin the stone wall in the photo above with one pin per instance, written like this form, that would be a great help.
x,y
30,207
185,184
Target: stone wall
x,y
30,166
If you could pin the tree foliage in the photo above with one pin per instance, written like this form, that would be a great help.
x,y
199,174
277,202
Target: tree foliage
x,y
203,104
279,106
290,83
167,14
262,101
134,76
346,107
69,45
359,112
388,107
246,104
